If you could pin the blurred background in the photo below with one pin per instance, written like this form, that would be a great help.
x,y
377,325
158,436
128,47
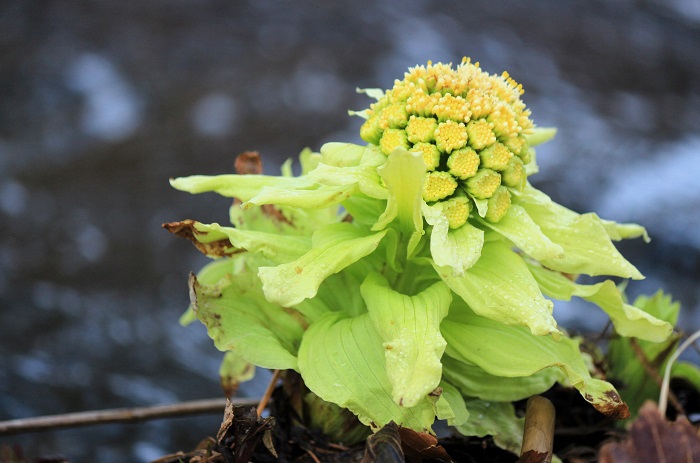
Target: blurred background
x,y
101,102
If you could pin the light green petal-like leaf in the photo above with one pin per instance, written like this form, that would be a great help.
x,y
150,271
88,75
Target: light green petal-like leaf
x,y
342,361
473,381
519,228
512,351
409,326
228,240
450,405
495,419
540,135
308,160
623,231
627,319
457,249
376,93
363,209
242,187
233,371
365,177
211,274
584,238
238,318
500,286
317,197
334,247
403,175
342,154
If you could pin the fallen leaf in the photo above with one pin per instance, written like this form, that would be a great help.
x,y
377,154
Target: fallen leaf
x,y
384,446
653,438
422,445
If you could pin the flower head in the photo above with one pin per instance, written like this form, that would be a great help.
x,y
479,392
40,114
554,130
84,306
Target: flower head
x,y
467,123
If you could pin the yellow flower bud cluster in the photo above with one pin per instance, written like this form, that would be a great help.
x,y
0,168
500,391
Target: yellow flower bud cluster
x,y
469,127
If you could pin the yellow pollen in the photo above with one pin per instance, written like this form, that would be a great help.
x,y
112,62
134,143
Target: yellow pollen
x,y
438,185
431,155
450,136
495,157
484,184
422,104
392,139
504,122
480,134
421,129
463,163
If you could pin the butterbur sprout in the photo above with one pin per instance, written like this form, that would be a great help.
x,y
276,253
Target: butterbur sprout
x,y
422,261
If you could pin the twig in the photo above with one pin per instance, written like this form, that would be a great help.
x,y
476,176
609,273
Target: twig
x,y
268,392
118,415
539,427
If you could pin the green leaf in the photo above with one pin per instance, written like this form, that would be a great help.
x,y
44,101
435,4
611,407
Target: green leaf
x,y
500,286
473,381
518,227
365,177
622,231
229,240
403,175
342,361
334,247
627,319
512,351
459,249
450,405
540,135
242,187
233,371
316,196
409,326
584,238
238,318
495,419
342,154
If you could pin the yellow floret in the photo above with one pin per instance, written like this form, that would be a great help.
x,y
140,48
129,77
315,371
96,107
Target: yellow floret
x,y
480,134
484,184
450,136
421,129
451,107
431,155
498,205
514,176
463,163
457,210
480,102
392,139
438,185
495,157
515,144
393,116
370,131
422,103
525,154
503,120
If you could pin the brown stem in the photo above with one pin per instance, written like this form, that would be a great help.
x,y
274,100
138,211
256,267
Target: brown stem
x,y
268,392
119,415
539,427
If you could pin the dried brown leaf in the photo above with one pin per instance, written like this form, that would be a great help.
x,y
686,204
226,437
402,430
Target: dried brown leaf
x,y
384,446
653,438
422,445
186,229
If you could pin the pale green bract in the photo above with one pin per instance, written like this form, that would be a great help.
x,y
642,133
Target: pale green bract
x,y
406,310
